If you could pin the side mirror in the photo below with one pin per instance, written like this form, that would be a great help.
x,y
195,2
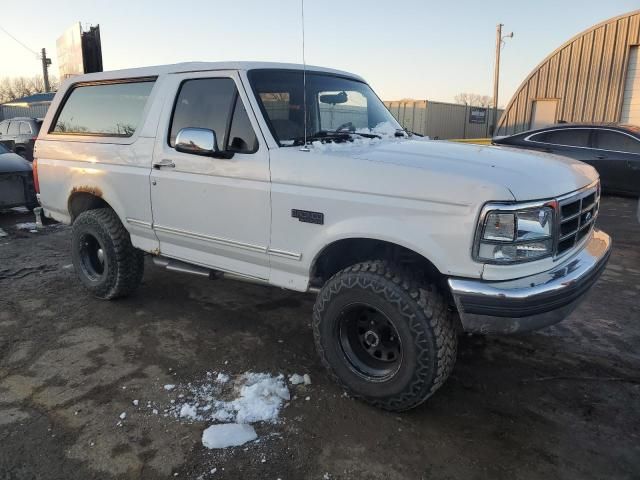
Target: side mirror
x,y
199,141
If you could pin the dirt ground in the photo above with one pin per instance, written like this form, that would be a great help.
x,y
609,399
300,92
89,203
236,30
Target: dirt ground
x,y
559,403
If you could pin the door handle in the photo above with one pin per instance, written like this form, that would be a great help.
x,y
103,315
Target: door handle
x,y
601,157
164,163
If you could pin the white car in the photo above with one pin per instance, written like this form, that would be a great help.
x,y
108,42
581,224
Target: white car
x,y
305,181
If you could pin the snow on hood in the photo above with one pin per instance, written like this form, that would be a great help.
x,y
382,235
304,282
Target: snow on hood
x,y
385,131
526,174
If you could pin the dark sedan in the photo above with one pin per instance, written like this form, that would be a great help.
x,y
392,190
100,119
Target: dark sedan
x,y
16,181
614,150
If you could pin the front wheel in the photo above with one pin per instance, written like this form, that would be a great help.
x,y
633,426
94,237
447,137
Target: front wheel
x,y
108,265
385,337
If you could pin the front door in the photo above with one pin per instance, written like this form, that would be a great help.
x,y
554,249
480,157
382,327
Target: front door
x,y
616,156
210,211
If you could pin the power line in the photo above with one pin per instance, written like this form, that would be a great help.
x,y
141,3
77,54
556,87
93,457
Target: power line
x,y
18,41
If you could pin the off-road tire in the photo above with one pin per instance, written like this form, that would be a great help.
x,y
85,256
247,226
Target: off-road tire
x,y
123,263
421,317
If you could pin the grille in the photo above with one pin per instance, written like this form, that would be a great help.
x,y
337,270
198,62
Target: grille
x,y
577,215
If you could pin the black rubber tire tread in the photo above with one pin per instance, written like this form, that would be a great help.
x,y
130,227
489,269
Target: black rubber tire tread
x,y
422,306
128,261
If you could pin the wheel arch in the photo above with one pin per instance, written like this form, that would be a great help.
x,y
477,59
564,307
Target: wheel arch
x,y
347,251
82,199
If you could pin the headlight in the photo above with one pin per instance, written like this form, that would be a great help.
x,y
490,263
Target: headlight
x,y
508,234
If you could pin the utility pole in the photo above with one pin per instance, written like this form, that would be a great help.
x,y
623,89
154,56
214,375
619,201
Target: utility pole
x,y
496,75
45,70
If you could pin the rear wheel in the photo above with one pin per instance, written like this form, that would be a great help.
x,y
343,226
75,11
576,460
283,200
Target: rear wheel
x,y
106,262
387,338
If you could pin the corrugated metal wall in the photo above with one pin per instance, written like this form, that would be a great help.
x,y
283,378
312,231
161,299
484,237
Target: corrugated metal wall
x,y
37,110
438,119
586,75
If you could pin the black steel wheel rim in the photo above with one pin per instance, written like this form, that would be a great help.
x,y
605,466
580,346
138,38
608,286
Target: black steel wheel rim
x,y
92,257
369,341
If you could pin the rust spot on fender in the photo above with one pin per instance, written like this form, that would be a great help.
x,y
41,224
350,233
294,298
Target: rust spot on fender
x,y
87,189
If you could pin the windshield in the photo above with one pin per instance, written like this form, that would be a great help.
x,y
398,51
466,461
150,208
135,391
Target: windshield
x,y
335,104
3,149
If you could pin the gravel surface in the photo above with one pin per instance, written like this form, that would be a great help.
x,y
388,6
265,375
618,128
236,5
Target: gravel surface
x,y
559,403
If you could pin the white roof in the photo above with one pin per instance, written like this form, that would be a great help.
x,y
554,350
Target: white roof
x,y
199,67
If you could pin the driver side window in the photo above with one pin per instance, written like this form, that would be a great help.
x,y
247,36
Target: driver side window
x,y
214,104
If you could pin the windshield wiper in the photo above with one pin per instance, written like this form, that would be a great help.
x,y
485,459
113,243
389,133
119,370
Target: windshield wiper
x,y
340,135
347,132
408,132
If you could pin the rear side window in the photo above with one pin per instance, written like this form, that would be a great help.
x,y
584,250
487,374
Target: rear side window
x,y
14,128
3,127
578,137
25,129
609,140
214,103
112,109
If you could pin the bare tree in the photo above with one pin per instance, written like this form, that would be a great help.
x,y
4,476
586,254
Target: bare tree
x,y
474,99
12,88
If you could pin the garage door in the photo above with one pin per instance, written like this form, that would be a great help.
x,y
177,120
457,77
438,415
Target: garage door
x,y
543,113
631,100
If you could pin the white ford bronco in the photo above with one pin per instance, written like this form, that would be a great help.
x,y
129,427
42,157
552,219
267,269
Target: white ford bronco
x,y
302,179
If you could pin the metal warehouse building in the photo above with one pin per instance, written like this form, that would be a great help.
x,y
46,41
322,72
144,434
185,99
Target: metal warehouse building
x,y
594,77
32,106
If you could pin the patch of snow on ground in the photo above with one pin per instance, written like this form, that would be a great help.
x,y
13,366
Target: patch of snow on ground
x,y
261,398
251,397
228,435
3,233
296,379
247,398
188,411
26,226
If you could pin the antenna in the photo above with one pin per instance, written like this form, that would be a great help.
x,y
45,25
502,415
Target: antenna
x,y
304,147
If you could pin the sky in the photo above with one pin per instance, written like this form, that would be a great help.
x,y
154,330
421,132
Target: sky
x,y
411,49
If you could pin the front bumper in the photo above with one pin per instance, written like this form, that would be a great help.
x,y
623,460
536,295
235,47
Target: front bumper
x,y
532,302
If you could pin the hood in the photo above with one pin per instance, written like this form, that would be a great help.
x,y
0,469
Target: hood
x,y
527,175
12,163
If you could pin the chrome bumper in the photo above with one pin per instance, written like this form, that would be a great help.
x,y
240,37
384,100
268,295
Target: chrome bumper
x,y
532,302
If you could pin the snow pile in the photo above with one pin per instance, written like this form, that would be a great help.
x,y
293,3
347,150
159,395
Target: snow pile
x,y
249,398
385,132
31,226
261,398
384,129
228,435
252,397
297,379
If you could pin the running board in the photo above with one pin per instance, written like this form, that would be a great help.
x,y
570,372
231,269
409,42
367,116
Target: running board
x,y
184,267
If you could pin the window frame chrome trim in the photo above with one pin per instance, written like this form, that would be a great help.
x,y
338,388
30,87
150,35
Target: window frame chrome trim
x,y
593,130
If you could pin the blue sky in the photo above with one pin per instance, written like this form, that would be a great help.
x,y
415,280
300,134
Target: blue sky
x,y
418,49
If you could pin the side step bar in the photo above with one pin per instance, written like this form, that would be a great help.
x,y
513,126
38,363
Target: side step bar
x,y
184,267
